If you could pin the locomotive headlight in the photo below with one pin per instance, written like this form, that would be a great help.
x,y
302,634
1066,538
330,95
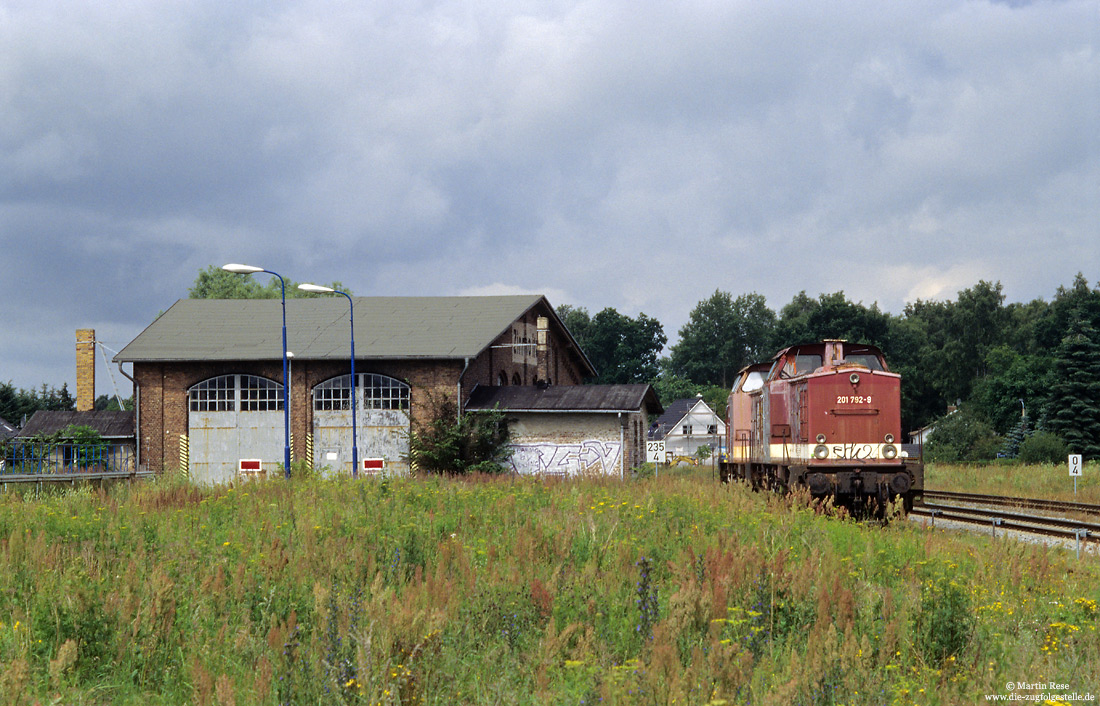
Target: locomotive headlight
x,y
821,438
854,378
889,438
821,452
889,452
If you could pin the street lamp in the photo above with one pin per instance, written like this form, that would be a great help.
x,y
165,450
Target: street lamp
x,y
239,269
318,289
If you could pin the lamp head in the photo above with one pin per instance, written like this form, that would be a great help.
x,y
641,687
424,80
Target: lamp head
x,y
240,269
307,287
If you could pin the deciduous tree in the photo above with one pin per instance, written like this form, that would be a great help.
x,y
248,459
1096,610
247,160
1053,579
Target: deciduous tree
x,y
807,320
623,350
216,283
723,334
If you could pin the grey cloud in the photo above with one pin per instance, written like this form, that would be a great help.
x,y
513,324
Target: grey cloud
x,y
619,155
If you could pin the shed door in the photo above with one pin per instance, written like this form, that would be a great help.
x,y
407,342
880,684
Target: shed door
x,y
382,415
234,417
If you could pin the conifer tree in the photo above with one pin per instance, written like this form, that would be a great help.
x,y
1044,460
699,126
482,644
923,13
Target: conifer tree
x,y
1021,431
1074,407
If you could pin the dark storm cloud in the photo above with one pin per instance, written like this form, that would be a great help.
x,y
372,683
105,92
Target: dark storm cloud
x,y
609,154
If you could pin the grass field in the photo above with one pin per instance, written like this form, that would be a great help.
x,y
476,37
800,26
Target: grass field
x,y
1048,482
488,591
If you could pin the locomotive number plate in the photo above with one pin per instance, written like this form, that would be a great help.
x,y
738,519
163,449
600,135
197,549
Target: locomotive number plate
x,y
852,452
853,399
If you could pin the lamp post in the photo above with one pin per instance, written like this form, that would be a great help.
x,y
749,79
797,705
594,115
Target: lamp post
x,y
318,289
239,269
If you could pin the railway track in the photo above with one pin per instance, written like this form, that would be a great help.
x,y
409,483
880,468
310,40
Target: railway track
x,y
1001,501
1001,515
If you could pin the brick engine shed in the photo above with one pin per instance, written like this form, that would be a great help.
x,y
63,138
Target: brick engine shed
x,y
209,378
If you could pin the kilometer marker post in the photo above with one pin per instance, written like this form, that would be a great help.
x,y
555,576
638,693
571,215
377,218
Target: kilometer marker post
x,y
1075,470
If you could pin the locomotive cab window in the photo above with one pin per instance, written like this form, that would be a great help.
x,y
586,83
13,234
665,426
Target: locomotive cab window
x,y
868,360
806,363
754,380
801,364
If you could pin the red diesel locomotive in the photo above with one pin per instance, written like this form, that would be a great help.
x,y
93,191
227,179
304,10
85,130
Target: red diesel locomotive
x,y
826,416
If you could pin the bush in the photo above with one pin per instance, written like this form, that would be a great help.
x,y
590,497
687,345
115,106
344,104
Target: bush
x,y
1043,447
472,443
962,436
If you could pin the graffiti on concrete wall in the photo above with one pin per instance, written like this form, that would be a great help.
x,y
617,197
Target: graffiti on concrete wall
x,y
587,457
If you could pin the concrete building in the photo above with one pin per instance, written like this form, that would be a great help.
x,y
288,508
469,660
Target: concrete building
x,y
209,378
576,430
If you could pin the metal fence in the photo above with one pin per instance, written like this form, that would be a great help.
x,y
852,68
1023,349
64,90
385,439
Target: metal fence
x,y
42,458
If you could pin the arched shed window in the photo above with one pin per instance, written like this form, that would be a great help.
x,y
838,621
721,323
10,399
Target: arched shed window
x,y
375,392
231,393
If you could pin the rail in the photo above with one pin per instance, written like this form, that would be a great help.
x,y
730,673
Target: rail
x,y
1005,501
995,518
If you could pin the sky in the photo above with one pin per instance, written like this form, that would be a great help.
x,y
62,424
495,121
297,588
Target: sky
x,y
605,153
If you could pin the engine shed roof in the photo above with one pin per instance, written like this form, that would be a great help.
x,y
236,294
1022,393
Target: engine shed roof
x,y
566,398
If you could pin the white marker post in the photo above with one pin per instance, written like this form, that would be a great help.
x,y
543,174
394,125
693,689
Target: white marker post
x,y
1075,470
654,453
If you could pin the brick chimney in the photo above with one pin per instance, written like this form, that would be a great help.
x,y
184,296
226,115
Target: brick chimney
x,y
542,350
85,369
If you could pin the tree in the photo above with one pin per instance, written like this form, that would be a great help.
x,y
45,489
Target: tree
x,y
953,341
576,320
1015,438
1079,301
976,324
110,403
216,283
670,387
1012,384
723,335
806,320
17,404
10,402
962,436
623,350
1073,412
1022,328
906,342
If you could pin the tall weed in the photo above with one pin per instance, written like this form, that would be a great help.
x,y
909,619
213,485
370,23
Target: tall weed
x,y
504,590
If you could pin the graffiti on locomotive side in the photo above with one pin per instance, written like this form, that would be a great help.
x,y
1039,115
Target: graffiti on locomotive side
x,y
852,452
589,456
